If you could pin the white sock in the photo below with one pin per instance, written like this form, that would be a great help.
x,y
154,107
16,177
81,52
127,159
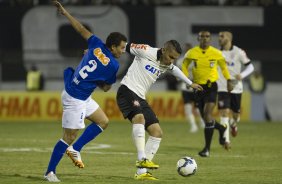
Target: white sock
x,y
225,121
138,135
190,116
152,146
141,170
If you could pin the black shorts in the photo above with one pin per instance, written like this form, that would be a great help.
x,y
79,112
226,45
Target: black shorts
x,y
229,101
188,96
131,104
208,95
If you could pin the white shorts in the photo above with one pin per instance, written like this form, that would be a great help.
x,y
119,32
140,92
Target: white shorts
x,y
75,111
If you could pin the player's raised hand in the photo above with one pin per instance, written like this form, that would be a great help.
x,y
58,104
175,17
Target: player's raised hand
x,y
196,87
59,6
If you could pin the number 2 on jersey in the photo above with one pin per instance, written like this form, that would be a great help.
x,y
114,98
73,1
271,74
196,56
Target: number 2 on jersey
x,y
87,68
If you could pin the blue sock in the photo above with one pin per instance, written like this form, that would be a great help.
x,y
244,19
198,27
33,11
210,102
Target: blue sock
x,y
58,152
89,134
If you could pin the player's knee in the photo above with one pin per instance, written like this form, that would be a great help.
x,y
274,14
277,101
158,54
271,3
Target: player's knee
x,y
159,134
207,118
155,131
138,118
69,138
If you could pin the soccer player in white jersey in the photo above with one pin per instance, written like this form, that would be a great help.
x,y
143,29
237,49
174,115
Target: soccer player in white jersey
x,y
97,68
235,58
148,64
189,97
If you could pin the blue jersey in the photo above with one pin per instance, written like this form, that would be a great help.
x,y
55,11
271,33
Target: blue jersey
x,y
98,66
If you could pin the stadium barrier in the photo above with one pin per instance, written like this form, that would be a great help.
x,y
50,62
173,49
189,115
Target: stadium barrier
x,y
46,106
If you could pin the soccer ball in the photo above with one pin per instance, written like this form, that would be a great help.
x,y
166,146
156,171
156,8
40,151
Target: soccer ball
x,y
186,166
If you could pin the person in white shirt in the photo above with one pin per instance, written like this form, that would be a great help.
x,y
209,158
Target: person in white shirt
x,y
148,64
235,58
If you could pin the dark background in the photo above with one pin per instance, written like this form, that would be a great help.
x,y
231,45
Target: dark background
x,y
260,43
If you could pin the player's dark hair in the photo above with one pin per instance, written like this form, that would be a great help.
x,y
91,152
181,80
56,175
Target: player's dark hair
x,y
175,45
114,39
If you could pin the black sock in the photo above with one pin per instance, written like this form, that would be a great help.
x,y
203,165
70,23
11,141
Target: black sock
x,y
208,134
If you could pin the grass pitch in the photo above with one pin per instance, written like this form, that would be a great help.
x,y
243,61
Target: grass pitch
x,y
255,157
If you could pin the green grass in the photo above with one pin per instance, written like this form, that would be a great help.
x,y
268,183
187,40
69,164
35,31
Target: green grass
x,y
255,157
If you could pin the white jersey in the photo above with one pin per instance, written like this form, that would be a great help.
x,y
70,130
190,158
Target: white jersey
x,y
144,70
235,58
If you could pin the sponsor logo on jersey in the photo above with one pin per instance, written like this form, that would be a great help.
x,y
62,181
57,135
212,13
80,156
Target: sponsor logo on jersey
x,y
138,46
101,56
153,70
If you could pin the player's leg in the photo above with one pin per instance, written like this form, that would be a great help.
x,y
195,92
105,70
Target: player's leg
x,y
98,118
188,109
224,120
138,134
152,145
233,124
99,123
59,150
208,131
235,107
145,161
154,140
130,106
224,111
209,99
209,128
154,130
71,123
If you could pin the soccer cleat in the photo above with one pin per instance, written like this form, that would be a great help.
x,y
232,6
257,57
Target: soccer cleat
x,y
145,176
234,130
75,157
51,177
145,163
204,153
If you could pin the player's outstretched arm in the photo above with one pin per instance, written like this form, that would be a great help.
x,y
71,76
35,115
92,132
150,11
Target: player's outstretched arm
x,y
75,23
180,75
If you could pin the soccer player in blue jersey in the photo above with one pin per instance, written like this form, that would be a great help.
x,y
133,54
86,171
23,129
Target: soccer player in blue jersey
x,y
98,67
